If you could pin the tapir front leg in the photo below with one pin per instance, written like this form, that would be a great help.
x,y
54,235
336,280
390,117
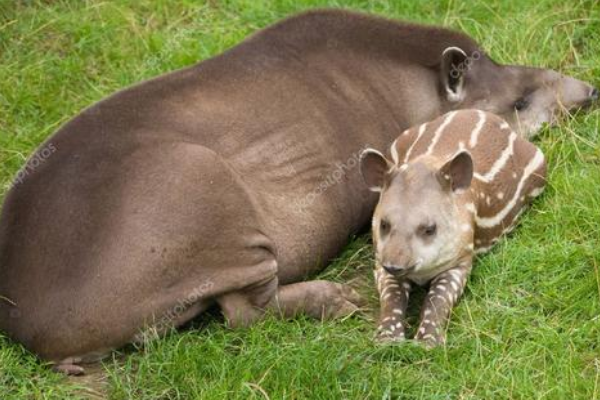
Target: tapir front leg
x,y
444,292
316,299
393,295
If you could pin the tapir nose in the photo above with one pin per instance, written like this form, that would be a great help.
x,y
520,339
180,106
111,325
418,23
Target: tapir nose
x,y
398,270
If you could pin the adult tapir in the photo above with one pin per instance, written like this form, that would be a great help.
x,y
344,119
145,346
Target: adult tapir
x,y
213,184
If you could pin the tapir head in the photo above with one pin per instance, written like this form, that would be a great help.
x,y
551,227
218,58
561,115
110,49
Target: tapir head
x,y
418,225
527,98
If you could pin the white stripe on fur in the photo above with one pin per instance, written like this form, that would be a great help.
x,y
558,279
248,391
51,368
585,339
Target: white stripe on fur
x,y
419,134
500,162
439,131
477,130
491,222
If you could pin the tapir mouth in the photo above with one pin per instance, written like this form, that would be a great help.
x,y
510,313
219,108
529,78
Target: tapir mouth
x,y
590,101
565,112
594,96
399,271
587,104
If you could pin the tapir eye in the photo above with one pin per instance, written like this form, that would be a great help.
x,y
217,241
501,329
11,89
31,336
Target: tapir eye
x,y
384,227
428,230
521,104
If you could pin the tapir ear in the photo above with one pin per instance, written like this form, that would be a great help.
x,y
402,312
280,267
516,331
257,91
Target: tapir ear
x,y
453,68
373,167
456,174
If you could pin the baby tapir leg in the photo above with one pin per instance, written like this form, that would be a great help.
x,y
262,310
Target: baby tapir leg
x,y
444,292
393,293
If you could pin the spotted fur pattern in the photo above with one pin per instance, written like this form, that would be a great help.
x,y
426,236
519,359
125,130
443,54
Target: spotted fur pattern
x,y
508,173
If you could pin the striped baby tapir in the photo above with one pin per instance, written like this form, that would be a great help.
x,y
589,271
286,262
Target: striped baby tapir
x,y
452,188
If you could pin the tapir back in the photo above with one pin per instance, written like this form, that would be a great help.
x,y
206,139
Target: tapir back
x,y
508,171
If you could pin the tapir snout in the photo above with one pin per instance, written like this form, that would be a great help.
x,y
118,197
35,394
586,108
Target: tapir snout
x,y
574,93
527,98
556,95
395,260
398,270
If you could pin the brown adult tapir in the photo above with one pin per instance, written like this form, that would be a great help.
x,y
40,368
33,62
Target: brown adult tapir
x,y
232,181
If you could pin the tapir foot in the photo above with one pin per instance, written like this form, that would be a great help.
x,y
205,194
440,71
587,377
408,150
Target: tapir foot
x,y
430,341
317,299
69,367
390,332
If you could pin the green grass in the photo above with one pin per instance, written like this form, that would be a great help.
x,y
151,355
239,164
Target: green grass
x,y
529,324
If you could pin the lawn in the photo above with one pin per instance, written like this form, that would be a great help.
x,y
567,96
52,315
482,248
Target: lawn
x,y
528,326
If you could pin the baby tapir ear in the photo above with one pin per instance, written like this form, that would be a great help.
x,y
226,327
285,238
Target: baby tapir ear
x,y
453,68
456,174
373,167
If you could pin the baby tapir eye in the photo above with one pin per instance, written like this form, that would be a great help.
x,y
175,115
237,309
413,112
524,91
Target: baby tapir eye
x,y
521,104
384,227
428,230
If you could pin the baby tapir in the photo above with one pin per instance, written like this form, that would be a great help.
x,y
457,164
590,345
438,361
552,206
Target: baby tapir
x,y
452,188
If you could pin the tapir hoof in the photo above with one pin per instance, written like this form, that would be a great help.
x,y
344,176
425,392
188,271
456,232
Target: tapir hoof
x,y
429,340
69,368
346,301
387,333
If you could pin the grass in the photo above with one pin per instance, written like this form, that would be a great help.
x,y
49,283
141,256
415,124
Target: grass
x,y
528,326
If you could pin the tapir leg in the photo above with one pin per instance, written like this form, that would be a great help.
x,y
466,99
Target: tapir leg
x,y
394,293
444,292
246,306
177,230
316,299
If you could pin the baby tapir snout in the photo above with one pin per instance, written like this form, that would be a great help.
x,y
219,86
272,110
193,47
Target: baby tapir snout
x,y
394,258
396,238
398,270
396,262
